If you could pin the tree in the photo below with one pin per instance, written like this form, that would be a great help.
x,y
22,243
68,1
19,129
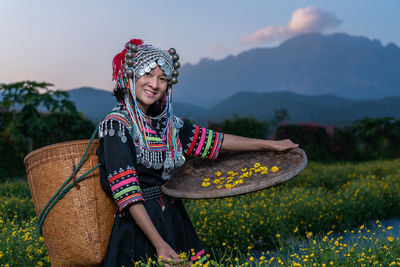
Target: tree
x,y
279,116
243,126
29,97
32,116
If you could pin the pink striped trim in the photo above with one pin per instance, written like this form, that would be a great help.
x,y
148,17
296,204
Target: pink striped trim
x,y
124,182
148,130
203,137
201,252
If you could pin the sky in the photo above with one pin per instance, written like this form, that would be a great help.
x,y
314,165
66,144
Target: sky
x,y
71,43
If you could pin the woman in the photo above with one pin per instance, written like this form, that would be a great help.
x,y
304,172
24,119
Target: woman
x,y
141,143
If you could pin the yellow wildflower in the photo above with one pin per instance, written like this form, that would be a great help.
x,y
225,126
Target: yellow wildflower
x,y
274,169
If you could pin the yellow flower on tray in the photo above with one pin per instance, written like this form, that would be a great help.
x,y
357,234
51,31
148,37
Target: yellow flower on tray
x,y
218,173
205,184
274,169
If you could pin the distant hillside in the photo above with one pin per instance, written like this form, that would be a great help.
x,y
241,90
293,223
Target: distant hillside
x,y
311,64
324,109
96,103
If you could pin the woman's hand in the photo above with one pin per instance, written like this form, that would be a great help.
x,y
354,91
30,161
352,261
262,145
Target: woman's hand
x,y
239,143
280,145
166,254
140,215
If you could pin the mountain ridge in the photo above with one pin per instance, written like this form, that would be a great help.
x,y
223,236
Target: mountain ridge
x,y
351,66
325,109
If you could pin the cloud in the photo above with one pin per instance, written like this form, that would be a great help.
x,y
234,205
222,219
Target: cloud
x,y
303,20
216,47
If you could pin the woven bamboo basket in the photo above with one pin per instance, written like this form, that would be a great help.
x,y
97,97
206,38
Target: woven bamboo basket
x,y
77,229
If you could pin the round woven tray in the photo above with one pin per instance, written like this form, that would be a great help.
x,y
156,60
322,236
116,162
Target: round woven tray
x,y
77,229
187,181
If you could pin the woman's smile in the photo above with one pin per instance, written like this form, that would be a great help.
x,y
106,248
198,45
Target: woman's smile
x,y
150,87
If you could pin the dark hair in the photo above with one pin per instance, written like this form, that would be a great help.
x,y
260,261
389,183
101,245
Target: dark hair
x,y
154,110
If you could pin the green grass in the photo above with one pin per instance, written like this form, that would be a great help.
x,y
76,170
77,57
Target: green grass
x,y
279,221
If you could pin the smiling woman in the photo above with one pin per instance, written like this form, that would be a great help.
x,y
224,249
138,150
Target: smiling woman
x,y
150,87
140,143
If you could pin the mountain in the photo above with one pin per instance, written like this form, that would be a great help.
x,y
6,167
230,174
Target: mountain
x,y
96,103
311,64
323,109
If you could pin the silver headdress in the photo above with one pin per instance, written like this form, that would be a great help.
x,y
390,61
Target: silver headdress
x,y
132,63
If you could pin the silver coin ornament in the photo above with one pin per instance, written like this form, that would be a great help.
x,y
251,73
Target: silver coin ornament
x,y
141,72
119,133
129,72
134,48
111,132
147,68
175,57
129,54
172,51
161,62
157,165
168,163
181,161
124,139
153,65
128,46
175,73
174,80
130,62
147,164
167,72
177,65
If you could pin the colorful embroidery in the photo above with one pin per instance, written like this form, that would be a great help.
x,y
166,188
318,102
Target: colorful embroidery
x,y
125,187
107,127
119,117
205,143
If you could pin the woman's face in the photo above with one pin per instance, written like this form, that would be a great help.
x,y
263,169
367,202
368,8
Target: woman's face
x,y
150,87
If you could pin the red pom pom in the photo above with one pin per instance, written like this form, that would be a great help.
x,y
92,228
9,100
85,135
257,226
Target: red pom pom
x,y
136,41
118,63
119,59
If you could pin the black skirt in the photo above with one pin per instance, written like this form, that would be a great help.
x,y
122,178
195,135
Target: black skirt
x,y
128,244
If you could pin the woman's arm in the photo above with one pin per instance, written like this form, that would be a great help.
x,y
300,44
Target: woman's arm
x,y
140,215
239,143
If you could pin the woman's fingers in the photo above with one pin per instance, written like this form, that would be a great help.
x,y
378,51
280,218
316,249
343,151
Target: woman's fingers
x,y
286,144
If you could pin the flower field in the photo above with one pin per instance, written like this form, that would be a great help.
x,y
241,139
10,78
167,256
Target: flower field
x,y
304,222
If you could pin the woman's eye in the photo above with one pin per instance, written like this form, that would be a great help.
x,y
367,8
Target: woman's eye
x,y
164,79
